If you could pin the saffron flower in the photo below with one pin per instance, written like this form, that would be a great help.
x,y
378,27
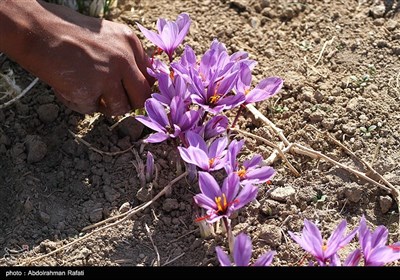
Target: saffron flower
x,y
167,125
169,88
251,170
198,153
242,250
373,245
170,33
324,252
222,202
267,88
214,126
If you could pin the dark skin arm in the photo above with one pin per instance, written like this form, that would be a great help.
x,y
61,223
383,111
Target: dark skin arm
x,y
92,64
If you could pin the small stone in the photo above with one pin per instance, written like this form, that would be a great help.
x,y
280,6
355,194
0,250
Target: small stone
x,y
44,217
28,206
125,207
131,127
142,256
353,193
254,22
61,226
269,234
391,25
4,139
396,50
96,215
170,204
306,95
385,202
282,193
317,116
264,3
166,220
48,112
328,123
382,44
377,11
349,128
196,244
144,194
37,149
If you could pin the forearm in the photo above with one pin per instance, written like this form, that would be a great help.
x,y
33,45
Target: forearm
x,y
29,28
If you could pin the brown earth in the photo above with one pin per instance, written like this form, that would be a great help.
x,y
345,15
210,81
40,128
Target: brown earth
x,y
340,63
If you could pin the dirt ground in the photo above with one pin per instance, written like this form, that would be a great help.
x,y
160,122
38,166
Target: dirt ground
x,y
340,63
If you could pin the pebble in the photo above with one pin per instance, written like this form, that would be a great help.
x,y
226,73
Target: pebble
x,y
36,148
385,202
170,204
270,235
131,127
391,25
353,192
282,193
48,112
377,11
349,128
96,215
28,206
44,217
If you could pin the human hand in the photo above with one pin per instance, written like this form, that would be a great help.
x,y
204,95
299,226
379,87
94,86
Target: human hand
x,y
92,64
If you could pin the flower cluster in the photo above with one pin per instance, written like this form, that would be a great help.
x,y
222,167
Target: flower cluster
x,y
373,250
194,92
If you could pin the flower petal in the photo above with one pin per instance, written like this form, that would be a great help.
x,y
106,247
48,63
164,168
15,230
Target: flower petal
x,y
195,156
197,141
152,36
253,162
265,259
156,112
247,194
242,250
333,244
204,201
150,123
157,137
353,258
262,174
217,147
208,185
222,257
230,187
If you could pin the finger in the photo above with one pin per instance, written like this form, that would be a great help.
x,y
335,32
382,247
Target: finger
x,y
115,101
141,58
136,86
77,107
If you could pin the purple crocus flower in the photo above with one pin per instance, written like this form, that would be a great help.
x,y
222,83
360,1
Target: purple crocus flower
x,y
373,245
169,88
222,202
170,33
214,126
311,241
353,258
198,153
215,97
242,249
251,170
267,88
167,125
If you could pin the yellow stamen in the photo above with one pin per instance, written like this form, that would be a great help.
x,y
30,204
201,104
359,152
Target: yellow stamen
x,y
221,202
324,246
241,173
246,91
211,161
214,98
